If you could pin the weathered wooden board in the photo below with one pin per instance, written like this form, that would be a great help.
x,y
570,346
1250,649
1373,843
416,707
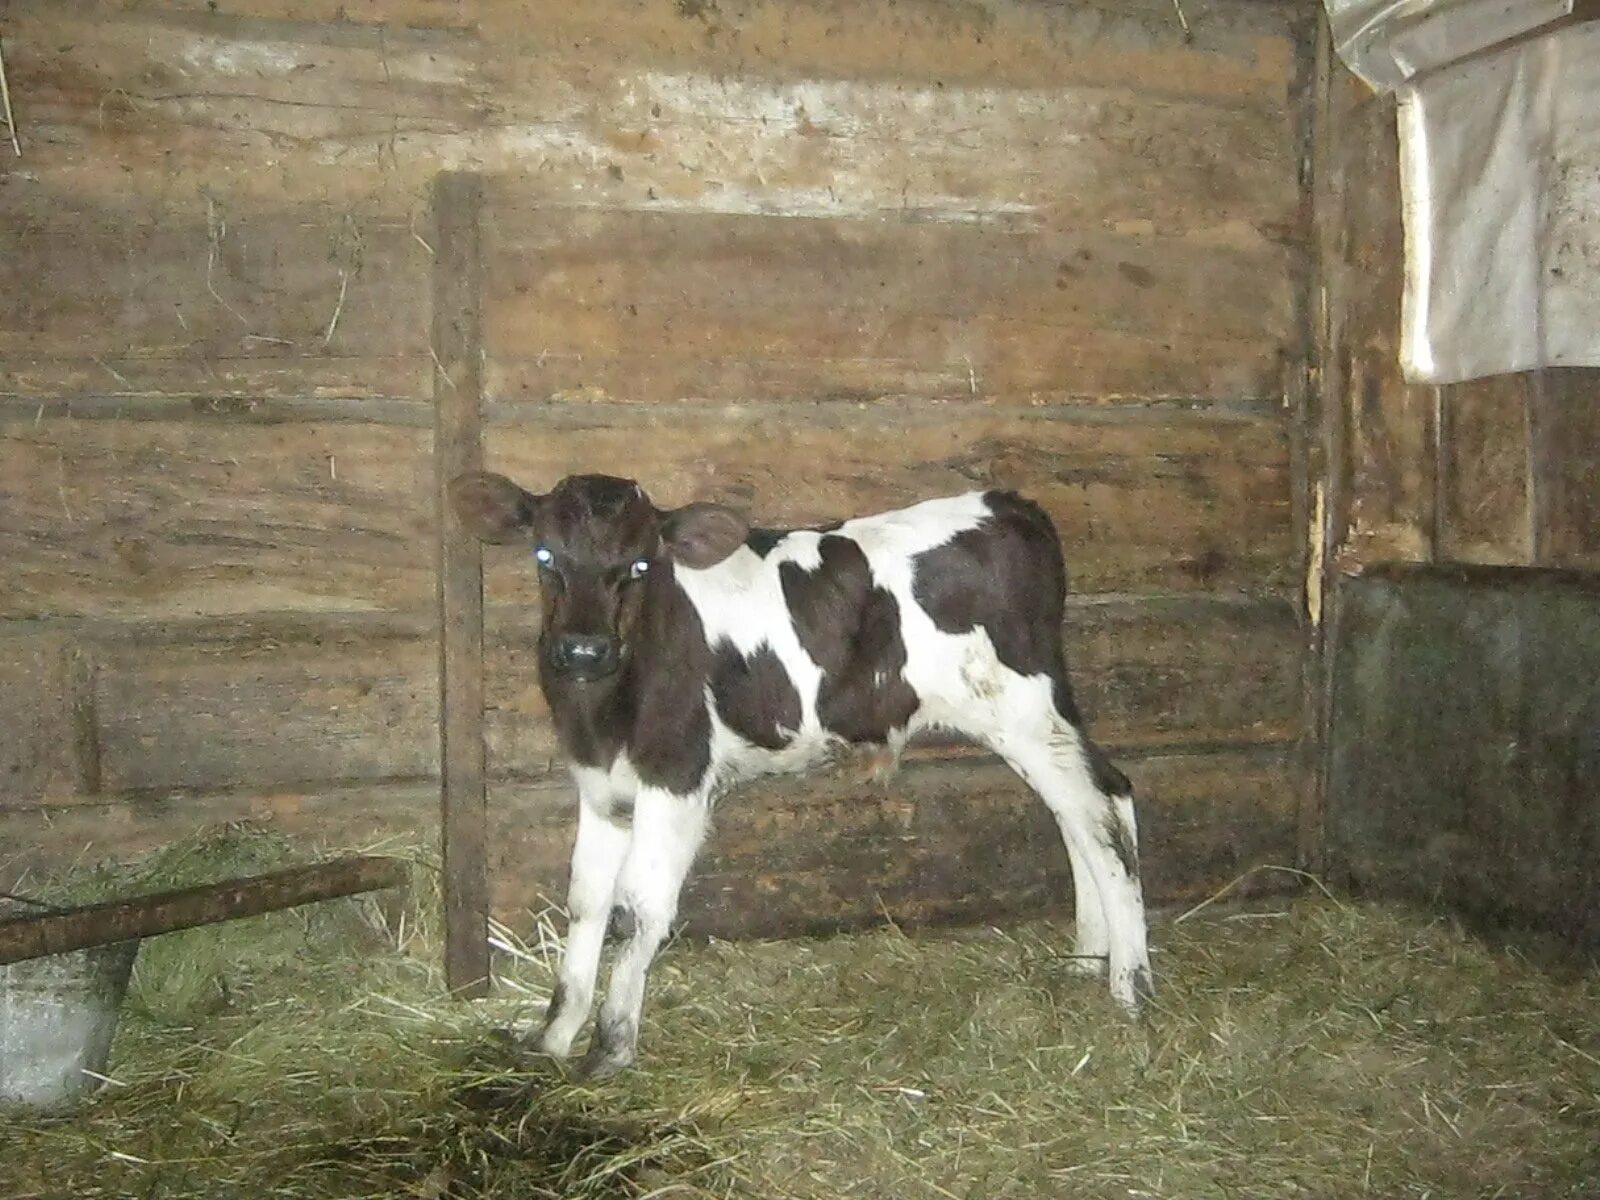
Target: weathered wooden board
x,y
1149,673
129,298
132,519
1464,753
1486,513
1162,500
1568,455
944,842
219,106
1386,501
38,729
65,930
1233,52
638,306
1153,673
256,713
1066,157
1062,113
381,818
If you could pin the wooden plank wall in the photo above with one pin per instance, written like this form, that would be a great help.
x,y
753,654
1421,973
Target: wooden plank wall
x,y
810,257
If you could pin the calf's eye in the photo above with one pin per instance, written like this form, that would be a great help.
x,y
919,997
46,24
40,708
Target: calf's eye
x,y
638,569
543,557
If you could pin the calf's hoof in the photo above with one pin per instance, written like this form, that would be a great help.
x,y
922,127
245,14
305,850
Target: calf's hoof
x,y
610,1050
602,1062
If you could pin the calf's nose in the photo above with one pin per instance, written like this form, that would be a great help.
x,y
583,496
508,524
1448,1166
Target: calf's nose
x,y
584,655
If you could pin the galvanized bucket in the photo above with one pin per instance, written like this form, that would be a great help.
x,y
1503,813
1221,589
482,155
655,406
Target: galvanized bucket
x,y
58,1015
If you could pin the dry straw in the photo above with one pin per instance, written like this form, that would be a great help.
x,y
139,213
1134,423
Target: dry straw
x,y
1316,1049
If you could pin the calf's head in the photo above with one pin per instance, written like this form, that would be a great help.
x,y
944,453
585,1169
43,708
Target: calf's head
x,y
596,539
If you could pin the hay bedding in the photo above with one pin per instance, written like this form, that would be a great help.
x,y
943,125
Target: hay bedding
x,y
1326,1050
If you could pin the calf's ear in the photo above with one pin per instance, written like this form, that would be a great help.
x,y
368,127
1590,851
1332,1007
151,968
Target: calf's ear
x,y
491,507
702,535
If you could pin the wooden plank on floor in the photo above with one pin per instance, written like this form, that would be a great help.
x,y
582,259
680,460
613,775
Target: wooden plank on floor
x,y
65,930
457,338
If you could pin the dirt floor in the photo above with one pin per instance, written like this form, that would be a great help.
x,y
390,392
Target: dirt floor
x,y
1312,1048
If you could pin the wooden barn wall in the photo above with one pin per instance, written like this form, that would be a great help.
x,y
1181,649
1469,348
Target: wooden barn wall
x,y
814,258
1461,545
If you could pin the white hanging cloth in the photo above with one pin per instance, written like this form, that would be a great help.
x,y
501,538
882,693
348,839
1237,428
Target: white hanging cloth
x,y
1500,173
1387,42
1500,176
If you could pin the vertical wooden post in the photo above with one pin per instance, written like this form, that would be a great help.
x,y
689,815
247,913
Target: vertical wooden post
x,y
457,394
1315,451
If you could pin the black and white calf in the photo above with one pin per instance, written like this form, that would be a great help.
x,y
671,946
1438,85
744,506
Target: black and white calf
x,y
682,652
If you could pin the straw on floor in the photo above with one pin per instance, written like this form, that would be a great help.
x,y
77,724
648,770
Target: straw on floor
x,y
1319,1049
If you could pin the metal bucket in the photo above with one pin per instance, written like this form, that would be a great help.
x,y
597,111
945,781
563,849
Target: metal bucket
x,y
57,1017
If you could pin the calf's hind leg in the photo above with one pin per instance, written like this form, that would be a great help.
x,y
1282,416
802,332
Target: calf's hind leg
x,y
1093,807
1093,942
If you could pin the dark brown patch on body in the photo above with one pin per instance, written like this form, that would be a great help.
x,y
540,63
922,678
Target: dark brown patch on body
x,y
754,695
851,629
670,728
763,540
1006,577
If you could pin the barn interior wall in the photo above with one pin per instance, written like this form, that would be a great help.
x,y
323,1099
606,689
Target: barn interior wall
x,y
814,258
1461,542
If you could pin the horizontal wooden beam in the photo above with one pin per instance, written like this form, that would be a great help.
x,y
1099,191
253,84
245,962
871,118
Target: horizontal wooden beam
x,y
165,912
25,408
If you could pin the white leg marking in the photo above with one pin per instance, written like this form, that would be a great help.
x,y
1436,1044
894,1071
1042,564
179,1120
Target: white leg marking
x,y
1093,940
1056,767
597,857
667,831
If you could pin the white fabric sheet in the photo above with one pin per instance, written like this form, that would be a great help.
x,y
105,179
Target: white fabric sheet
x,y
1387,42
1500,171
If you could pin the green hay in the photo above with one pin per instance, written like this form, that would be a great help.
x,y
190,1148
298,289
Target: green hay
x,y
1327,1050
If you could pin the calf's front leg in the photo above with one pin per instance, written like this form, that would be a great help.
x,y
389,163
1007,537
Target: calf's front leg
x,y
597,857
667,831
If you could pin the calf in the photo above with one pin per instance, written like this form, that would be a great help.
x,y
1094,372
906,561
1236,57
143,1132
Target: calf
x,y
683,651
